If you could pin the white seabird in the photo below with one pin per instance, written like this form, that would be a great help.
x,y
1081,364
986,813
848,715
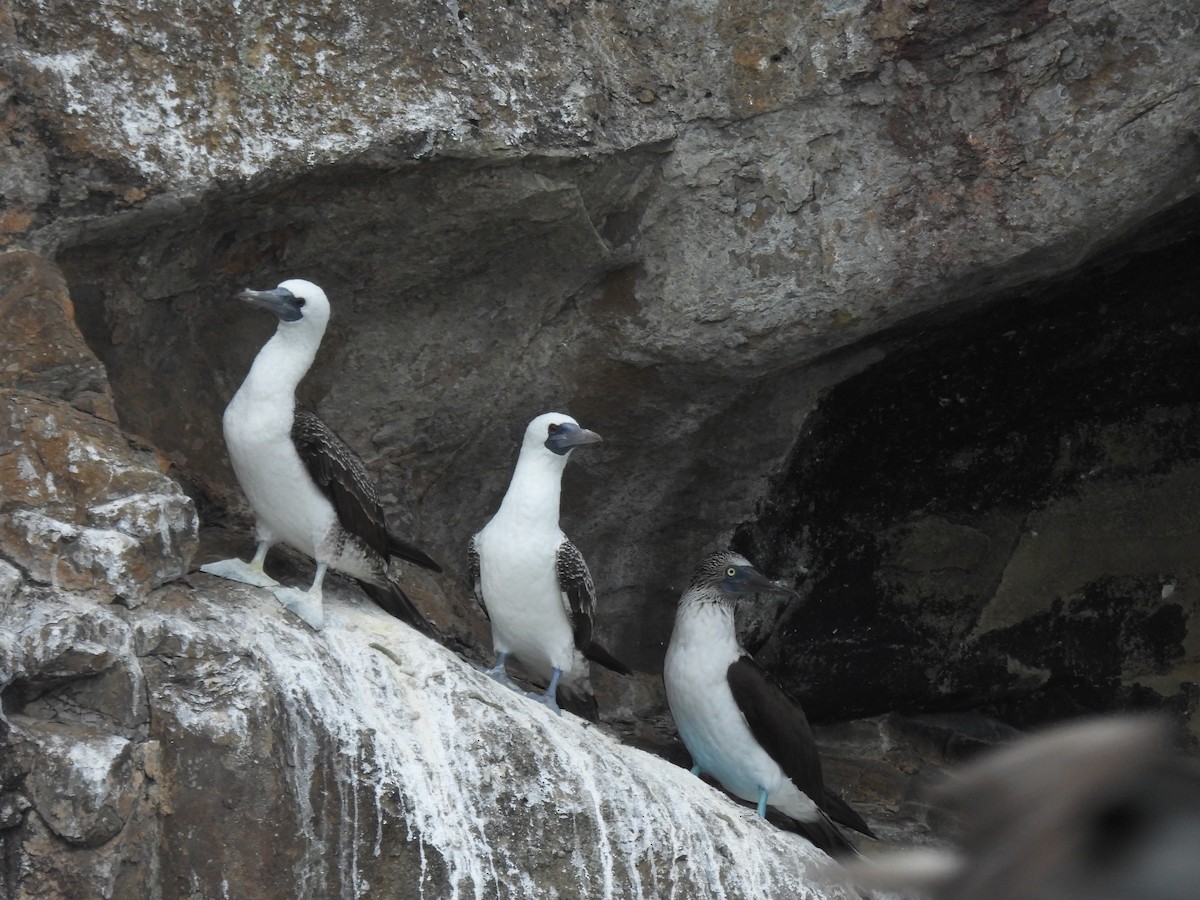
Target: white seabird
x,y
737,724
308,489
530,580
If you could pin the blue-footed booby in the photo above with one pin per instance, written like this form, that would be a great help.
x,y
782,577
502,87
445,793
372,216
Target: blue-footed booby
x,y
530,580
736,722
308,489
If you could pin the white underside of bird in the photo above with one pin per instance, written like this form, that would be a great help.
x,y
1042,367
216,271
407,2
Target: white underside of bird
x,y
288,506
716,733
517,570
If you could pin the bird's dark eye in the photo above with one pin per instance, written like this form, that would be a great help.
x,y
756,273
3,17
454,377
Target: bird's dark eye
x,y
555,429
300,301
731,571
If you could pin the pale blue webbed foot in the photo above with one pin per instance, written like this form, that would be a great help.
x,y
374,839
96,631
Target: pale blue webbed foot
x,y
243,572
549,698
697,771
306,604
547,701
498,673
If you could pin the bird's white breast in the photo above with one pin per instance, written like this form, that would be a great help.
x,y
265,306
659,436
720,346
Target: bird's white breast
x,y
287,504
518,577
703,646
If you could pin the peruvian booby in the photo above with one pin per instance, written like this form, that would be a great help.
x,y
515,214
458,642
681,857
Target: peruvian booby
x,y
308,489
530,580
737,724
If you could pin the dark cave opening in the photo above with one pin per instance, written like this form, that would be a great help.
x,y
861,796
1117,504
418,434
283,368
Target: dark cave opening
x,y
999,514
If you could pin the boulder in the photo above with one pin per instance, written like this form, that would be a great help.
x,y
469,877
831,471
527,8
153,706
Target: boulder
x,y
80,506
1006,522
208,739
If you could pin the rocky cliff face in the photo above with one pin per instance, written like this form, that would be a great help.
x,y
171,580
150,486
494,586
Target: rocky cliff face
x,y
1008,519
168,735
206,745
825,276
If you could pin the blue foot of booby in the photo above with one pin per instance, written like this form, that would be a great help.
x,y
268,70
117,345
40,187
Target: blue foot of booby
x,y
697,771
236,570
762,803
550,698
498,674
306,604
245,572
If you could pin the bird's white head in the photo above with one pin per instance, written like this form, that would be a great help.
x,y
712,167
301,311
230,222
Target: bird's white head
x,y
557,433
300,305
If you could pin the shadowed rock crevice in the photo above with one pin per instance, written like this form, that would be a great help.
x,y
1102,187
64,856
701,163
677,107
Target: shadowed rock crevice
x,y
1001,511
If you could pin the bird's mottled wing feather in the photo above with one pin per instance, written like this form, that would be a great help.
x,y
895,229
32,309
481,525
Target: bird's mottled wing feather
x,y
578,591
473,576
342,477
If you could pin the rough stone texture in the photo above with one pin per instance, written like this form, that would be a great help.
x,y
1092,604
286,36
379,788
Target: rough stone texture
x,y
80,507
40,345
661,217
207,744
732,238
1009,517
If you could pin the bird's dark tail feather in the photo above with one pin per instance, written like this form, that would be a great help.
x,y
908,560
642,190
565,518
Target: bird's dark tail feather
x,y
410,552
838,810
828,837
579,700
392,600
598,654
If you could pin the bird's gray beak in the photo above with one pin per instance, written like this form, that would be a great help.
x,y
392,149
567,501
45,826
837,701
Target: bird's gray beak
x,y
280,301
759,583
583,436
570,436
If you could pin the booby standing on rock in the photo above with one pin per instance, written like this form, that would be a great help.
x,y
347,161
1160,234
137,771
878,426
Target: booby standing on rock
x,y
530,580
738,724
308,489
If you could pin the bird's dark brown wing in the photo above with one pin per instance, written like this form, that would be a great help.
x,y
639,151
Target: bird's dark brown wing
x,y
578,591
473,576
780,726
579,600
341,476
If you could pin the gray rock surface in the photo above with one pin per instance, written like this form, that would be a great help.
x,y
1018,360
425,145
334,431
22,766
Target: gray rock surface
x,y
80,506
663,218
710,232
1008,521
208,739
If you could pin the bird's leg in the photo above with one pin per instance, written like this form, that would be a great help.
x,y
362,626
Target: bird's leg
x,y
497,672
549,699
246,573
306,604
762,803
696,770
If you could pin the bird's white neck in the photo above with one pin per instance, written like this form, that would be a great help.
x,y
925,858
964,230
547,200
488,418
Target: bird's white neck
x,y
533,494
706,620
280,364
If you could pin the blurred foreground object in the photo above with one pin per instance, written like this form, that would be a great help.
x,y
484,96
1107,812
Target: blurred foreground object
x,y
1096,809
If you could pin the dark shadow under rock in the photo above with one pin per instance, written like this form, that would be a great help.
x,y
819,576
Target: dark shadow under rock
x,y
1002,511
